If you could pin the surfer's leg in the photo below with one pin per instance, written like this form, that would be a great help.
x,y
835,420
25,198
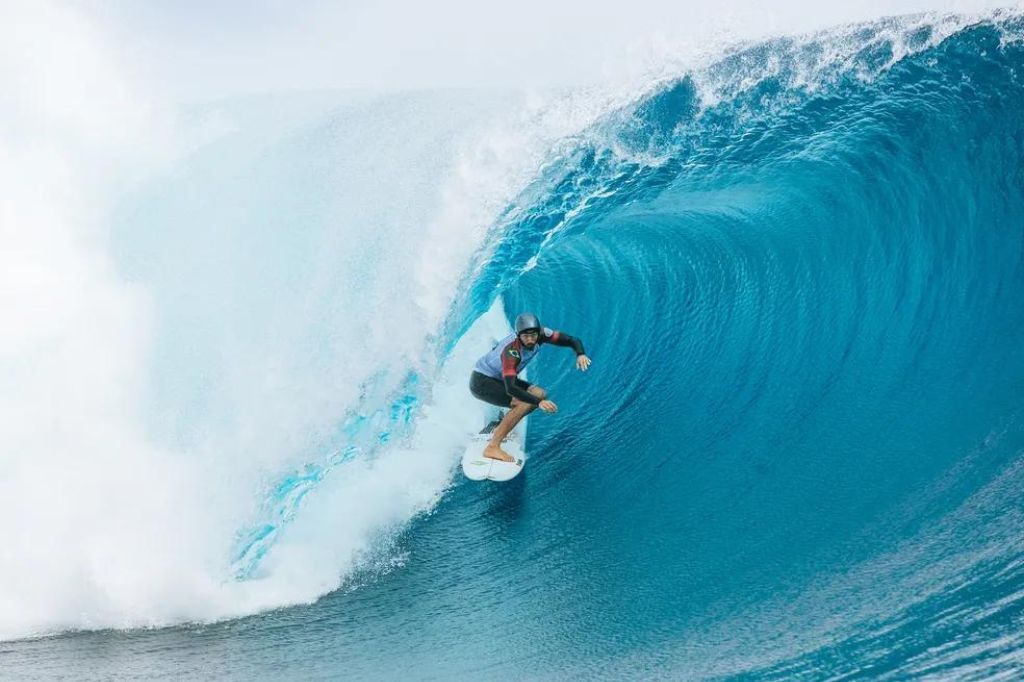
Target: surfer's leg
x,y
509,422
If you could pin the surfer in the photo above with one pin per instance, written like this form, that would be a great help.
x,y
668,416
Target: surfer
x,y
495,377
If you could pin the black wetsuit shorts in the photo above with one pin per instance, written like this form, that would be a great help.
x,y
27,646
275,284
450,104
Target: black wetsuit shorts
x,y
491,390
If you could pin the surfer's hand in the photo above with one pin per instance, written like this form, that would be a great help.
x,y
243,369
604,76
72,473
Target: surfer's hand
x,y
582,362
547,406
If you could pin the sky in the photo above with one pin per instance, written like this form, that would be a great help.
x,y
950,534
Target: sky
x,y
195,49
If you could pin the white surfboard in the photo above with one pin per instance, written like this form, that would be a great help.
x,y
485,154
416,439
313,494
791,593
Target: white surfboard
x,y
480,468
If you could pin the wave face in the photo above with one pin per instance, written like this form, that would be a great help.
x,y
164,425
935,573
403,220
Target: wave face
x,y
799,274
799,443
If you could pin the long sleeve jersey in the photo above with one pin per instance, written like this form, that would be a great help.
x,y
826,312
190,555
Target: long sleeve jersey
x,y
509,357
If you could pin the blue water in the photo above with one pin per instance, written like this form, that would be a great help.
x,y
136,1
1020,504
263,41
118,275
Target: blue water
x,y
798,453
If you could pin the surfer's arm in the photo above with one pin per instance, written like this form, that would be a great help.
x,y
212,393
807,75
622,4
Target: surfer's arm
x,y
509,371
563,339
518,393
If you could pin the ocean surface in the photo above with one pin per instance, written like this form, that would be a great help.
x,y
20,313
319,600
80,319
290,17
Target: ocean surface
x,y
798,268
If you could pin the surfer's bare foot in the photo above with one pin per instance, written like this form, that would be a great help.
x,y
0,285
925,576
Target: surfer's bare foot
x,y
494,452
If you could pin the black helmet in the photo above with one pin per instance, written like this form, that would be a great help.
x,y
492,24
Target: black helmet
x,y
527,322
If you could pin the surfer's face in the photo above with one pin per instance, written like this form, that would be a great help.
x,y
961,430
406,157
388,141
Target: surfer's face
x,y
529,339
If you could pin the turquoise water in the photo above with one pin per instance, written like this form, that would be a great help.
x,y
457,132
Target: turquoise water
x,y
798,452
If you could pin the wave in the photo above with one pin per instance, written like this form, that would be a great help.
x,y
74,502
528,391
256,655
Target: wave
x,y
797,269
802,301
